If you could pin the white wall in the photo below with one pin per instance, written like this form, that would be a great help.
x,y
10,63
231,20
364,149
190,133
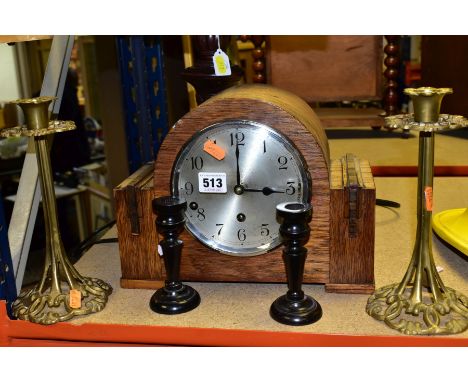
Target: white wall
x,y
9,84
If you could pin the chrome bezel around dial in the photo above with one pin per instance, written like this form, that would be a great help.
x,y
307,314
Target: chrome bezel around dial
x,y
279,137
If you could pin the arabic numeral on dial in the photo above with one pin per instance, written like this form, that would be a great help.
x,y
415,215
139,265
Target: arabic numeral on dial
x,y
264,147
291,190
264,230
237,138
197,163
188,188
220,228
201,214
241,234
282,160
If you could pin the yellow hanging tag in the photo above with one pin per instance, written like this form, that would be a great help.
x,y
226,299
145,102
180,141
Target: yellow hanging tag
x,y
221,63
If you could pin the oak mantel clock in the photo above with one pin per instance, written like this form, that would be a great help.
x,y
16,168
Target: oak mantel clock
x,y
234,158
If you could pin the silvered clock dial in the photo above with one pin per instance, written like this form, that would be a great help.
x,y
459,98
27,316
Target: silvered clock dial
x,y
232,201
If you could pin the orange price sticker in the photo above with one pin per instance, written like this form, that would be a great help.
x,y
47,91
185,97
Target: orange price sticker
x,y
214,150
75,299
428,197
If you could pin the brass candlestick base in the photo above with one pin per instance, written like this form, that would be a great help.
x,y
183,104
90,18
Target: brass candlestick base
x,y
50,303
421,315
62,292
421,303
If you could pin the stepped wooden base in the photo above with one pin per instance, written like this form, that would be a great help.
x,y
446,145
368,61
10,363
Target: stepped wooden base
x,y
330,288
141,284
350,288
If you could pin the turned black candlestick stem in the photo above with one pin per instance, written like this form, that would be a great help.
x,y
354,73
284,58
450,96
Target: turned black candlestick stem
x,y
174,297
295,308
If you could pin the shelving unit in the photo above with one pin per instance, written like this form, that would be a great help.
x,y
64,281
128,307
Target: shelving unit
x,y
236,314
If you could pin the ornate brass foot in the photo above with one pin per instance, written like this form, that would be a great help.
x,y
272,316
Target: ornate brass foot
x,y
421,303
62,292
51,305
399,311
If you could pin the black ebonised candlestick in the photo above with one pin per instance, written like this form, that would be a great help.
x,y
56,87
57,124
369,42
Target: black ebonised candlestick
x,y
295,308
174,297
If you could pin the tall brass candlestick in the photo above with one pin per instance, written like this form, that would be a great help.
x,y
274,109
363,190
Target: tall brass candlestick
x,y
421,303
62,292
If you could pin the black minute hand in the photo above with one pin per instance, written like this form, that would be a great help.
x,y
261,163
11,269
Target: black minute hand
x,y
237,163
265,190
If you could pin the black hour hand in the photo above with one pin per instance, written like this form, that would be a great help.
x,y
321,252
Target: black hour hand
x,y
265,190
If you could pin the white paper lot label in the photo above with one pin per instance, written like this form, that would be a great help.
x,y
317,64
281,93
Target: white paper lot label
x,y
212,182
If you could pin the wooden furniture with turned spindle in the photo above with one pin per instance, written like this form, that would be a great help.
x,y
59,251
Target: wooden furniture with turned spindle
x,y
392,62
332,69
202,75
258,55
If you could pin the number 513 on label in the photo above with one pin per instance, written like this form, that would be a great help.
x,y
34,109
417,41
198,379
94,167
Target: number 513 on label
x,y
212,182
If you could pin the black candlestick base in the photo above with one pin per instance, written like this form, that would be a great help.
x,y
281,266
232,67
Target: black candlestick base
x,y
295,312
174,299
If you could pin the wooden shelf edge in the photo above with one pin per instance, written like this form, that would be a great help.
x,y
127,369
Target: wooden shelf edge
x,y
22,38
27,334
404,171
349,117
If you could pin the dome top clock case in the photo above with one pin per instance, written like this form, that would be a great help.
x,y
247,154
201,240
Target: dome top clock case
x,y
275,150
234,158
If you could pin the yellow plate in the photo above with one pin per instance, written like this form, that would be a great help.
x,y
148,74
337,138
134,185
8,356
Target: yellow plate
x,y
452,226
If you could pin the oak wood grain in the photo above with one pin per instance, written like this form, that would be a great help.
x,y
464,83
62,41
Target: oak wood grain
x,y
292,117
350,288
348,117
342,263
351,258
141,284
327,68
138,252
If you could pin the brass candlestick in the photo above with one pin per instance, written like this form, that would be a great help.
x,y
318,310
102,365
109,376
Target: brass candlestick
x,y
421,303
62,292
